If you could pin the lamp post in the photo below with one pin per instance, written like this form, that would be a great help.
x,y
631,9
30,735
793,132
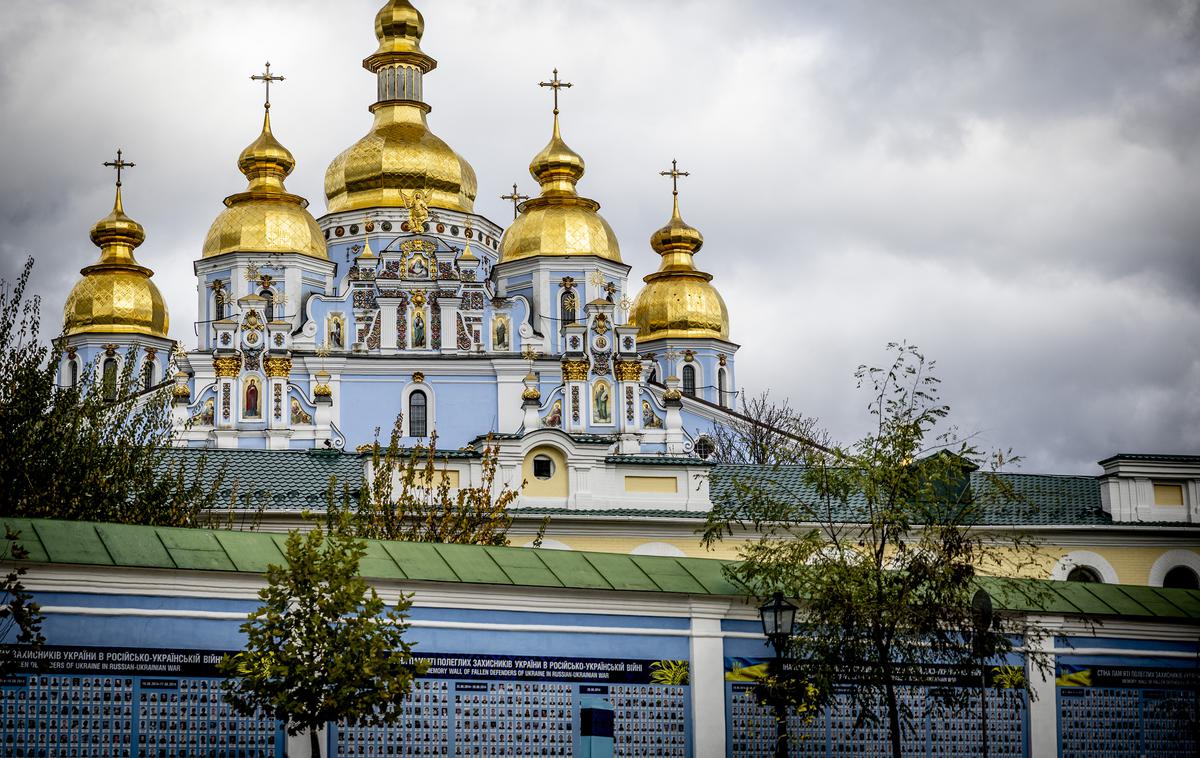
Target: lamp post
x,y
981,616
778,618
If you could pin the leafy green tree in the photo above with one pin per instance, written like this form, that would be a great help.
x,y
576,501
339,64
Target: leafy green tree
x,y
409,497
97,451
322,647
882,544
20,617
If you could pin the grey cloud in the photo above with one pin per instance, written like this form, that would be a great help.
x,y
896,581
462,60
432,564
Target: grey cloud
x,y
1010,185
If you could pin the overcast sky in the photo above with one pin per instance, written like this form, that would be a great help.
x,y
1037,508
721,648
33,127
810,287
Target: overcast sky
x,y
1014,187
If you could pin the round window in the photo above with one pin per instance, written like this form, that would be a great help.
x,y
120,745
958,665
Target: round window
x,y
1181,578
1085,574
543,467
705,446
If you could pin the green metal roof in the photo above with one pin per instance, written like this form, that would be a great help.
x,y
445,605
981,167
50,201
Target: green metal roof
x,y
275,479
92,544
298,479
1038,499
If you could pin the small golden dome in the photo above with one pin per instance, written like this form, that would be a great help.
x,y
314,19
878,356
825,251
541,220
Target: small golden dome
x,y
399,27
678,300
116,294
557,168
266,218
558,222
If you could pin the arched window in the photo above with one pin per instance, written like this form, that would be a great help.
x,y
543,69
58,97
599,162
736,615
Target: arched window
x,y
567,311
721,398
653,376
109,378
73,372
1085,574
269,306
418,415
219,312
147,375
689,381
1182,578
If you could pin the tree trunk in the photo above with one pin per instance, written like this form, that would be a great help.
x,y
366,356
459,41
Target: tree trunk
x,y
889,691
314,743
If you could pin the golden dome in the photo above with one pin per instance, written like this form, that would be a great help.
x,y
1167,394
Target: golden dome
x,y
558,222
399,154
399,27
266,218
679,301
116,294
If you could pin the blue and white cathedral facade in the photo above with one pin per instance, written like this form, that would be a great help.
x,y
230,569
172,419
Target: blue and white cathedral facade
x,y
402,301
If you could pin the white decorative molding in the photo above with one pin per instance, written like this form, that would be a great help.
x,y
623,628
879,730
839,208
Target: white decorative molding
x,y
1088,559
1170,560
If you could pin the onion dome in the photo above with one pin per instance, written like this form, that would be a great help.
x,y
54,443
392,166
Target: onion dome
x,y
558,222
266,218
679,300
399,155
116,295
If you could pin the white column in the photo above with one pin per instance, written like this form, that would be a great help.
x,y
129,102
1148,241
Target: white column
x,y
707,678
1043,708
449,307
388,328
223,417
575,406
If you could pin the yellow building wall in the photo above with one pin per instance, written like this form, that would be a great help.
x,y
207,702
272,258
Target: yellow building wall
x,y
1132,564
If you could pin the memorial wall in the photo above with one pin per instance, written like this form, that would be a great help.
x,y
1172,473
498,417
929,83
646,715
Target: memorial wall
x,y
640,657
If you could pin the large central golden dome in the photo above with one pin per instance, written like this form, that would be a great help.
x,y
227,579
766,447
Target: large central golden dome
x,y
558,222
678,300
400,154
115,295
266,218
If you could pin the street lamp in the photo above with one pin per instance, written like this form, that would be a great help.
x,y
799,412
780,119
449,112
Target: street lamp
x,y
981,617
778,618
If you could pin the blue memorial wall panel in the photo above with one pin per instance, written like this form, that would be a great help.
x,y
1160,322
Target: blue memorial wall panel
x,y
93,702
479,705
1116,706
938,727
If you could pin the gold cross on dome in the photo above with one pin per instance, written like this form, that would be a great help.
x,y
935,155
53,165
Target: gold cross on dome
x,y
555,84
674,173
266,78
119,164
516,198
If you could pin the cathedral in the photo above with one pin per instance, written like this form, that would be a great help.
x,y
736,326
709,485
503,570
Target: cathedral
x,y
401,301
620,637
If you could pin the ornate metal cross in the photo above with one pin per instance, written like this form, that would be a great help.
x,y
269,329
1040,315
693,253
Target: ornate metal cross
x,y
119,164
555,84
674,173
516,198
266,77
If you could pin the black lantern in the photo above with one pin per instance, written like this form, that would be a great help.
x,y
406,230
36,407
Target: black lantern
x,y
982,617
778,618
